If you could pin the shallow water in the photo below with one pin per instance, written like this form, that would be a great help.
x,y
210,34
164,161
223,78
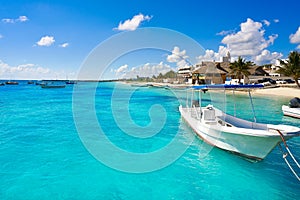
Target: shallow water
x,y
43,157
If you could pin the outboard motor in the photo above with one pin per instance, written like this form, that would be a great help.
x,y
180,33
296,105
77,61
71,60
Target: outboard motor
x,y
295,103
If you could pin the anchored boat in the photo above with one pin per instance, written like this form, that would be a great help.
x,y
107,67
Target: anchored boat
x,y
293,109
246,138
11,83
46,85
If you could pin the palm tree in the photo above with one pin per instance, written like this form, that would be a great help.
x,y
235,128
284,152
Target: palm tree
x,y
291,67
240,68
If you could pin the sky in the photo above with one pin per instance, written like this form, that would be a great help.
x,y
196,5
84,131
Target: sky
x,y
54,38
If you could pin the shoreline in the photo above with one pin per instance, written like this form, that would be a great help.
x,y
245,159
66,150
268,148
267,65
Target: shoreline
x,y
280,91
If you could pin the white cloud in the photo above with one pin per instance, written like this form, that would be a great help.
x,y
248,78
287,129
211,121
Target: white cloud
x,y
31,71
266,22
22,18
249,41
64,45
222,33
122,69
267,57
295,38
276,20
146,70
1,36
134,23
210,55
178,57
24,71
46,41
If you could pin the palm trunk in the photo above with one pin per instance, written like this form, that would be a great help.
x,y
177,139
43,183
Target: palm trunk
x,y
239,78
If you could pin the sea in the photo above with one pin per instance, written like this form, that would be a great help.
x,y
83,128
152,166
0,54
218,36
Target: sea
x,y
112,140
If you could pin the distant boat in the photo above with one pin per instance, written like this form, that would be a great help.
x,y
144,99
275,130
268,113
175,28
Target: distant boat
x,y
11,83
293,109
30,82
139,85
52,86
71,82
40,83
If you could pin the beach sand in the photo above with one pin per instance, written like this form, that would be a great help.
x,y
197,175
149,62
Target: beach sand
x,y
279,91
284,91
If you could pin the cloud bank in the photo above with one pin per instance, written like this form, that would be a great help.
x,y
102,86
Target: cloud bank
x,y
249,41
146,70
24,71
31,71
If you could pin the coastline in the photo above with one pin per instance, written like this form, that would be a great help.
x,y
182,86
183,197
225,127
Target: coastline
x,y
282,91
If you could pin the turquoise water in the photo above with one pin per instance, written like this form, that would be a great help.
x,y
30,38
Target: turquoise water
x,y
42,155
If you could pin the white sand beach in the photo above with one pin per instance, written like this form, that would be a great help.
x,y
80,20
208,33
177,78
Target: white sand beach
x,y
290,91
279,91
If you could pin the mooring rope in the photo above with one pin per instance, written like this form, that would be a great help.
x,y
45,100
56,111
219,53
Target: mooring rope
x,y
284,154
287,148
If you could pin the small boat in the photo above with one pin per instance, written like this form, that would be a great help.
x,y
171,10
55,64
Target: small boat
x,y
2,84
40,83
11,83
293,109
52,86
251,140
139,85
30,82
71,82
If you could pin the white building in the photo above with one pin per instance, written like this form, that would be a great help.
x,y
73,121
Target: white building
x,y
227,58
185,71
273,69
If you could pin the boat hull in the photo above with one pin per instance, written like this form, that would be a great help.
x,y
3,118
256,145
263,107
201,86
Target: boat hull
x,y
12,83
292,112
52,86
254,144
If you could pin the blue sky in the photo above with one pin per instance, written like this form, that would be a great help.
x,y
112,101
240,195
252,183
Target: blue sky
x,y
51,39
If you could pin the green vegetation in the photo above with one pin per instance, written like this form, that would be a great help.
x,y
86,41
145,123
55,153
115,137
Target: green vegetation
x,y
169,75
240,68
291,67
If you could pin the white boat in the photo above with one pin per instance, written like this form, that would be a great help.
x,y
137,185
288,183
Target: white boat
x,y
249,139
292,112
293,109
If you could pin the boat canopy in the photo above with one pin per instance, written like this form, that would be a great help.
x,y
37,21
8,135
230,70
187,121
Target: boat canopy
x,y
226,86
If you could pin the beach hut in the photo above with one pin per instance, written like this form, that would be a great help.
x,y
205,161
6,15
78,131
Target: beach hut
x,y
209,73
